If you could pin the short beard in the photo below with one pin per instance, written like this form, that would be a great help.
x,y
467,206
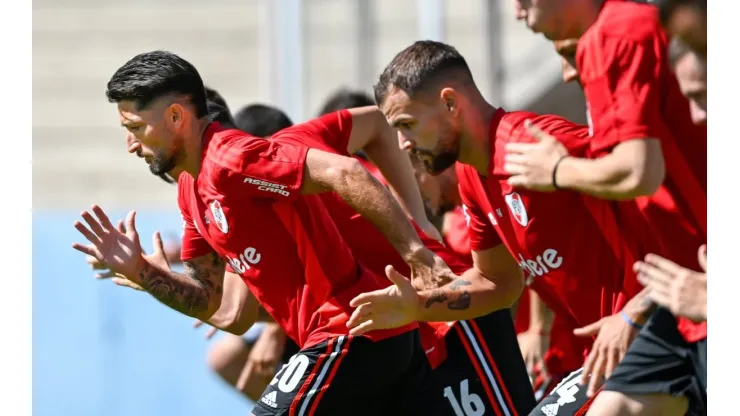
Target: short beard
x,y
161,165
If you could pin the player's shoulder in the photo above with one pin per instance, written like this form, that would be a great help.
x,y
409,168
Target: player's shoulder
x,y
625,20
513,126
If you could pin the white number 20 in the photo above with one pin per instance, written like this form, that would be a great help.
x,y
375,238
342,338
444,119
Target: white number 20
x,y
290,375
472,405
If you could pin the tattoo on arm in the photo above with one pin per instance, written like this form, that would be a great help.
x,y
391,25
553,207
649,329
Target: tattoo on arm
x,y
461,303
437,297
190,293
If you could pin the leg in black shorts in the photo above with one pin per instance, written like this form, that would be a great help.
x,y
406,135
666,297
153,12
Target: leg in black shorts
x,y
568,398
484,372
660,361
354,376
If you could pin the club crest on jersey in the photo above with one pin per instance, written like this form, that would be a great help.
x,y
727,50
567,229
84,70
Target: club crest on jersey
x,y
219,217
516,205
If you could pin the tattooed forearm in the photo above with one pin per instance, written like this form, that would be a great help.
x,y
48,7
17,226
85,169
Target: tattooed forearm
x,y
193,293
460,303
437,296
463,301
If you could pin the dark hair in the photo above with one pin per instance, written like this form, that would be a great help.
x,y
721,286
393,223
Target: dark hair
x,y
219,113
261,120
345,98
666,8
151,75
214,96
418,66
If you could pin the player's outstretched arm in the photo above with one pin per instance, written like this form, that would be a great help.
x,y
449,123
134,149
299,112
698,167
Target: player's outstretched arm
x,y
325,171
634,168
469,296
371,133
495,282
239,309
195,293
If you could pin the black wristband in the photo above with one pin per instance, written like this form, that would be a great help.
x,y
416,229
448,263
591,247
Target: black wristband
x,y
555,171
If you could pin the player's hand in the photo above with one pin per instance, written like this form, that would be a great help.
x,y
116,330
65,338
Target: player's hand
x,y
120,251
430,273
211,331
392,307
533,345
264,356
531,164
613,337
676,288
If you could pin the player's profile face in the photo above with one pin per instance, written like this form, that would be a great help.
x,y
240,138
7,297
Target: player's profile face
x,y
147,136
425,128
692,79
542,16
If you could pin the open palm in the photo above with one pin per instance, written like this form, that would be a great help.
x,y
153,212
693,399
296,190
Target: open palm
x,y
120,251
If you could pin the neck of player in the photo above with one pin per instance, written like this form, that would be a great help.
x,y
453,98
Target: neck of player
x,y
474,138
193,142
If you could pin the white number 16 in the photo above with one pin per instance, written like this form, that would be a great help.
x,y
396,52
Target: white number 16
x,y
472,405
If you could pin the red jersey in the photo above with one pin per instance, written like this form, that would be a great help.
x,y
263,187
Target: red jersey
x,y
568,244
330,133
455,231
246,205
632,93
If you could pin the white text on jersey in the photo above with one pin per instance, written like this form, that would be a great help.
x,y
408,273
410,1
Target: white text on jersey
x,y
546,262
250,256
268,186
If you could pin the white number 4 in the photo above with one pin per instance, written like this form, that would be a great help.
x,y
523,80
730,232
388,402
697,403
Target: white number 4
x,y
472,405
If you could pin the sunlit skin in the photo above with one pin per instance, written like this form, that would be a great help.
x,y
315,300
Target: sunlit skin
x,y
166,134
692,79
442,127
567,51
558,19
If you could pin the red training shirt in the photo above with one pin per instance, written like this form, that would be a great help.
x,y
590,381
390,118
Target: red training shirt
x,y
331,133
632,93
246,205
568,244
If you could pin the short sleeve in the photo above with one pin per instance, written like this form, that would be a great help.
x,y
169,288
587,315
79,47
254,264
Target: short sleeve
x,y
622,81
480,230
193,243
261,168
573,136
330,132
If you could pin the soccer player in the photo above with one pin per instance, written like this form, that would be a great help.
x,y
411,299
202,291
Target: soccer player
x,y
477,361
581,268
644,147
257,204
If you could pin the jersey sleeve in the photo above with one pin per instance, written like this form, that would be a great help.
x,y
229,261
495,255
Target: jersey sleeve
x,y
193,244
573,136
330,132
261,168
622,91
481,232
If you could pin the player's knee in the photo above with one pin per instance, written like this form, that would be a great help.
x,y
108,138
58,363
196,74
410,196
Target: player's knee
x,y
611,403
227,357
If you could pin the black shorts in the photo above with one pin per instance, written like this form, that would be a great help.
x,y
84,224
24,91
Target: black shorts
x,y
568,398
660,360
354,376
484,373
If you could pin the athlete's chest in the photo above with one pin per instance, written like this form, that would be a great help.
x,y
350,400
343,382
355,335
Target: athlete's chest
x,y
244,231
